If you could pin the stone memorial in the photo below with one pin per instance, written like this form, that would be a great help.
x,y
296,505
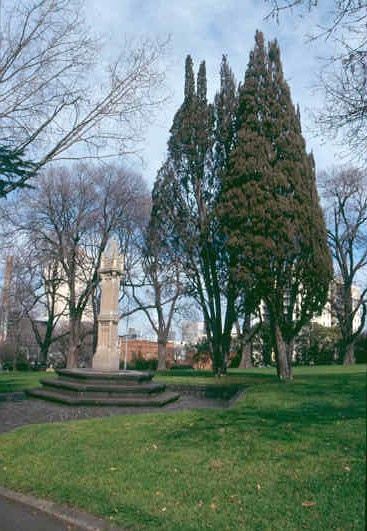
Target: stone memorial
x,y
107,357
104,383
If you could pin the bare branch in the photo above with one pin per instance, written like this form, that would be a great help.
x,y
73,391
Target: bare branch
x,y
59,97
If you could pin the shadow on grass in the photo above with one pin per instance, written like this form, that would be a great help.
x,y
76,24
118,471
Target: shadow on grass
x,y
282,411
21,380
7,385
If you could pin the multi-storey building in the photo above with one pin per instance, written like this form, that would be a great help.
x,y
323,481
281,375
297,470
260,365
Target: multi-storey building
x,y
334,305
192,332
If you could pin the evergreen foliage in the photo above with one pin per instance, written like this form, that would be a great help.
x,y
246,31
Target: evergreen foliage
x,y
185,198
14,170
269,205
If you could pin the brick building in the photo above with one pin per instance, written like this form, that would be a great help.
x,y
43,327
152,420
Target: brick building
x,y
134,348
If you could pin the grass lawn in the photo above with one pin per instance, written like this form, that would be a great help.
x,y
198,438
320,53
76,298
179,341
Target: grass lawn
x,y
286,456
20,380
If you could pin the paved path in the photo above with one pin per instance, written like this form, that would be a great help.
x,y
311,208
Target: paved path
x,y
17,411
26,513
21,517
19,512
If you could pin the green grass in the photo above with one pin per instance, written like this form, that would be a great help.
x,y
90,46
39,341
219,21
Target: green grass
x,y
20,380
286,456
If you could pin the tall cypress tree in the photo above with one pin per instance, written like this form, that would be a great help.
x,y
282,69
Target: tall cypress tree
x,y
184,199
269,205
225,110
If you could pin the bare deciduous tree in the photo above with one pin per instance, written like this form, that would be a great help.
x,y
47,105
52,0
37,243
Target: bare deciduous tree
x,y
158,291
345,194
37,282
343,77
68,220
59,97
277,6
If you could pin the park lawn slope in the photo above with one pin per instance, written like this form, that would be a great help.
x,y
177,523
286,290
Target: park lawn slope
x,y
286,456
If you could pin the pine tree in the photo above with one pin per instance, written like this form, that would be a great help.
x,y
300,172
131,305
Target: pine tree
x,y
269,205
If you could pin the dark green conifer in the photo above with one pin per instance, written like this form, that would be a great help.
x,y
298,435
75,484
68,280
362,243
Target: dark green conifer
x,y
185,198
269,205
225,109
15,171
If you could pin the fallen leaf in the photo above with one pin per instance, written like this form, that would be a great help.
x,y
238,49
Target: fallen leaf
x,y
347,468
216,465
308,503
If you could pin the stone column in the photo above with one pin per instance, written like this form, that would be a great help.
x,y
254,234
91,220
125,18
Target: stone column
x,y
107,356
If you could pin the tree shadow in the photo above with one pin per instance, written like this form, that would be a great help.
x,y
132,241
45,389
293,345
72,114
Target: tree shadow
x,y
301,408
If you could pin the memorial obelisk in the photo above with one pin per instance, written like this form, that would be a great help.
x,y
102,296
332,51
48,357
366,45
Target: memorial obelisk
x,y
107,356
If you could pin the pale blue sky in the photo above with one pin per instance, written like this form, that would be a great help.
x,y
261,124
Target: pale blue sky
x,y
206,29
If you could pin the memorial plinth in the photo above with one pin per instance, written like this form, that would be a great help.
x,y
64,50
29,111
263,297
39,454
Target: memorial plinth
x,y
104,383
89,387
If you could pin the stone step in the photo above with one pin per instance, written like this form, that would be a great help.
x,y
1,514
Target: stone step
x,y
158,400
112,377
102,387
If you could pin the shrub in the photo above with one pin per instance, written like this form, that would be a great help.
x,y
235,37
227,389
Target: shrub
x,y
138,363
183,367
22,364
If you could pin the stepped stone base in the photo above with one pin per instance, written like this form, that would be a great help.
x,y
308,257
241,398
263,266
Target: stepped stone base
x,y
110,388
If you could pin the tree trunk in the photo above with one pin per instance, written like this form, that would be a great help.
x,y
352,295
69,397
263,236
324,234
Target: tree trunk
x,y
347,342
72,357
283,357
162,355
44,354
217,360
245,344
246,361
74,344
349,357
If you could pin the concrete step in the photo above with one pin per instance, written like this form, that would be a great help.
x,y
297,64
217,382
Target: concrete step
x,y
158,400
